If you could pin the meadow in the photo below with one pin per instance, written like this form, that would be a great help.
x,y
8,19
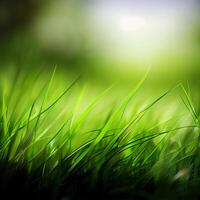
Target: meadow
x,y
99,100
61,137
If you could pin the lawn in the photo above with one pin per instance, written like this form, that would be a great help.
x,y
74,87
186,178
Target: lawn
x,y
63,138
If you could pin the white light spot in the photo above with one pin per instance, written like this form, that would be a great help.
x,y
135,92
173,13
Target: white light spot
x,y
132,23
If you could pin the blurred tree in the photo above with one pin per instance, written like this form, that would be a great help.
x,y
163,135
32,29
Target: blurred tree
x,y
16,14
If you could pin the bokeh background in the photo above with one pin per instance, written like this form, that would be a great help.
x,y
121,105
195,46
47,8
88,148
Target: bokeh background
x,y
104,40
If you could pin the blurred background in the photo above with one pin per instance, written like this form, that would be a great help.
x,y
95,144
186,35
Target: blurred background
x,y
104,40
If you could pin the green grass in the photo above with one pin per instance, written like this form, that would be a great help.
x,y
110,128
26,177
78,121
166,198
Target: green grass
x,y
64,132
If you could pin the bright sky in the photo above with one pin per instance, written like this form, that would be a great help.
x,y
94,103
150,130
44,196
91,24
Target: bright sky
x,y
142,28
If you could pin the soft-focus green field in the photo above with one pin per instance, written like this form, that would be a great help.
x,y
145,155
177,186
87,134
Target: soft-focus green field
x,y
100,99
59,126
